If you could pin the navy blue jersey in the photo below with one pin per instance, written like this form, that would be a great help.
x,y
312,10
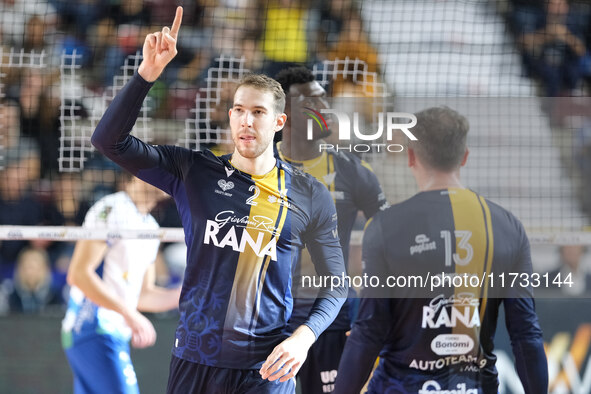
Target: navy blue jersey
x,y
354,188
244,234
443,339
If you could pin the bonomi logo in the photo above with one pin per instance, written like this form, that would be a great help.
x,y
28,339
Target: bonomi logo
x,y
452,344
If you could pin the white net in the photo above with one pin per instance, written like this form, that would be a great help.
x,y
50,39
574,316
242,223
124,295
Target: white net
x,y
75,143
209,124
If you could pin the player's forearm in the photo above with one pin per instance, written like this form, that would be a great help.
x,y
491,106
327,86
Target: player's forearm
x,y
158,299
111,136
328,260
526,339
356,364
531,365
96,290
323,313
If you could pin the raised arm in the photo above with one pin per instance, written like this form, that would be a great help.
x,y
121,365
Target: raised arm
x,y
153,164
160,48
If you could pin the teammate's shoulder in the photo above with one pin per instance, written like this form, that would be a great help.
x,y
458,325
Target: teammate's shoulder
x,y
350,162
499,212
302,181
403,205
346,158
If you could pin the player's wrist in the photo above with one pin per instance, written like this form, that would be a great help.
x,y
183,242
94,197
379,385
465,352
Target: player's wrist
x,y
304,334
148,73
127,313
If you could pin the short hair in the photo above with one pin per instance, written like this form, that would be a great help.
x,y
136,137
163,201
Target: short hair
x,y
441,138
294,75
265,84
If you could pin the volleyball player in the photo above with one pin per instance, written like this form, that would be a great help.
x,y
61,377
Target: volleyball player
x,y
246,216
353,187
442,341
111,282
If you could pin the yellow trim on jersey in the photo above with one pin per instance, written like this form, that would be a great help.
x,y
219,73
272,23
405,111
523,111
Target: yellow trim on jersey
x,y
268,212
366,165
281,223
489,257
473,256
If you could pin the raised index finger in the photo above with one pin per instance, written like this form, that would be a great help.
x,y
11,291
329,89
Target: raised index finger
x,y
176,24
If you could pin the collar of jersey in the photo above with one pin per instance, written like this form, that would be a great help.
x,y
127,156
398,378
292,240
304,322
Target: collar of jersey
x,y
267,175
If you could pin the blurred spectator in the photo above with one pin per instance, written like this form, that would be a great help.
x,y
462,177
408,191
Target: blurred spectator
x,y
40,117
72,43
10,127
131,12
106,56
246,46
34,39
354,43
40,35
14,15
572,268
286,34
33,286
555,50
526,16
19,205
70,197
100,39
117,34
77,14
333,14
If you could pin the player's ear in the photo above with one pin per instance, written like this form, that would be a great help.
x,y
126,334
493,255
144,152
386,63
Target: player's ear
x,y
280,121
465,159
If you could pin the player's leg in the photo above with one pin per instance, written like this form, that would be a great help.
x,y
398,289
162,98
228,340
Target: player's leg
x,y
102,364
319,372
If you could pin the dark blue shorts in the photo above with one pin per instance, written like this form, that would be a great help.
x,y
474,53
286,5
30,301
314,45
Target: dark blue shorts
x,y
318,374
186,377
101,364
